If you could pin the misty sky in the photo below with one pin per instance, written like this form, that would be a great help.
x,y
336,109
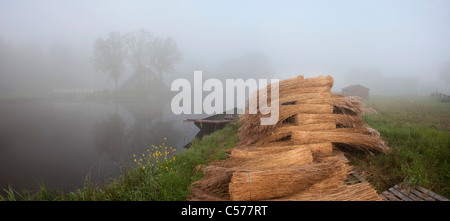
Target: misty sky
x,y
398,37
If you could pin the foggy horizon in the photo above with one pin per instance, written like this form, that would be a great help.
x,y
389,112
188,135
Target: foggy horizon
x,y
99,97
389,39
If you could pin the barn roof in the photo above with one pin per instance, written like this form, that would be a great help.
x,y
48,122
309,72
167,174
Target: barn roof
x,y
354,86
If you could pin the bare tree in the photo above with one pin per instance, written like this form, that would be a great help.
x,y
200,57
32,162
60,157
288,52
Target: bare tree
x,y
164,55
138,45
109,56
149,56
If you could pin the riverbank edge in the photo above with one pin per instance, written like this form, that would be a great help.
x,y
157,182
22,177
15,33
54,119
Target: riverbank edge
x,y
167,181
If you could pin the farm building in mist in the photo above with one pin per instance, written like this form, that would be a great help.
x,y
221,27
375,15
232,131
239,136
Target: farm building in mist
x,y
356,90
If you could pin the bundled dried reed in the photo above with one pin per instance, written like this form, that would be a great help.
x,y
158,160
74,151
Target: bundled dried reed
x,y
348,111
284,132
334,188
216,180
262,185
304,90
318,81
356,192
306,109
318,149
365,129
252,131
299,98
294,159
284,91
218,174
305,119
317,127
271,160
331,184
300,82
349,105
278,134
344,120
360,141
291,81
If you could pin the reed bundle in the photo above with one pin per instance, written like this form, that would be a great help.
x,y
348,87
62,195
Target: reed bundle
x,y
216,180
300,82
252,131
341,120
289,110
305,119
311,111
269,184
265,93
305,90
318,149
342,192
359,141
349,105
272,159
348,121
300,98
294,159
218,174
317,127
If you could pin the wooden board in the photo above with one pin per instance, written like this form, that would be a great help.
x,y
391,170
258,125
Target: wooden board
x,y
402,192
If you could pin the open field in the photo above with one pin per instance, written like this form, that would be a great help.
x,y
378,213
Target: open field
x,y
418,131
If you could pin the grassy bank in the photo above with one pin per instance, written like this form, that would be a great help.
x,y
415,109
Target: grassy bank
x,y
167,180
418,131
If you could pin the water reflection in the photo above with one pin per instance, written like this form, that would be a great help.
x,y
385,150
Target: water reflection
x,y
110,137
60,142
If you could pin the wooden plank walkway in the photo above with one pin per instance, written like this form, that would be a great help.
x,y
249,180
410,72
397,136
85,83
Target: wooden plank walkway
x,y
403,192
399,192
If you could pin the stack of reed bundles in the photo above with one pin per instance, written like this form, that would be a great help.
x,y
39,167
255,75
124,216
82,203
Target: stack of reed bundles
x,y
297,158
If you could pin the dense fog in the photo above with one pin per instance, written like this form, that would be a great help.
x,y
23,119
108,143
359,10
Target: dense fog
x,y
396,47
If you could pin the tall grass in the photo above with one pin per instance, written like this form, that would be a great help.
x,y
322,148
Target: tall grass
x,y
418,132
167,180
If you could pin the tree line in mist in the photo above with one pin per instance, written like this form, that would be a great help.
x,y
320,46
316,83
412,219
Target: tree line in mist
x,y
145,54
134,61
142,61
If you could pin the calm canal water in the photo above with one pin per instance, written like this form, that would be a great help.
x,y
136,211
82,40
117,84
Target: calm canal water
x,y
59,143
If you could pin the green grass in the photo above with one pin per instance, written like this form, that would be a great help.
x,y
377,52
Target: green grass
x,y
418,132
166,181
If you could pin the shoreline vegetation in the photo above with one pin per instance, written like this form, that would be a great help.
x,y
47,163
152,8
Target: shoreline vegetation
x,y
168,180
416,129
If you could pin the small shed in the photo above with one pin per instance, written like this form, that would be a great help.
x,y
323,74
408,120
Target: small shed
x,y
356,90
